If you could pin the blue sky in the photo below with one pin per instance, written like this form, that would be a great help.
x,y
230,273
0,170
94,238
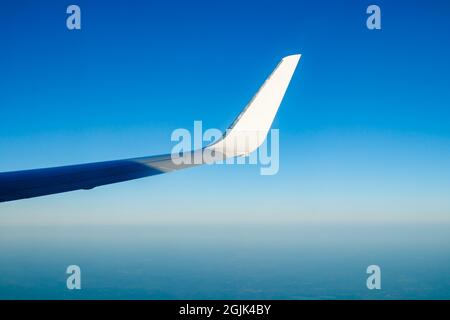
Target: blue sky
x,y
364,149
364,127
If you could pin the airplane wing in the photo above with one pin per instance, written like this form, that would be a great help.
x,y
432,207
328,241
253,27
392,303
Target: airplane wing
x,y
245,135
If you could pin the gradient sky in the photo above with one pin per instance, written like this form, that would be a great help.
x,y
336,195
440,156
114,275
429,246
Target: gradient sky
x,y
364,126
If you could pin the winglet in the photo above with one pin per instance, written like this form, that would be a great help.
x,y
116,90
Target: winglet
x,y
251,127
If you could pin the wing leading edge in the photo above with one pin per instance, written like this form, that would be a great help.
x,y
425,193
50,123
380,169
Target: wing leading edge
x,y
245,135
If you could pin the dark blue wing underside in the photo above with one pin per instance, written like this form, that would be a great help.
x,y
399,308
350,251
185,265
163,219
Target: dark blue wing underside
x,y
39,182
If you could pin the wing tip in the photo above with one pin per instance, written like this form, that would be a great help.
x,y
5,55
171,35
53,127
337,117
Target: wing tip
x,y
294,57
